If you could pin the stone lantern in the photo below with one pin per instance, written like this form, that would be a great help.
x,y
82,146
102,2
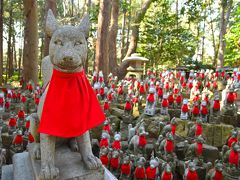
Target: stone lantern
x,y
136,65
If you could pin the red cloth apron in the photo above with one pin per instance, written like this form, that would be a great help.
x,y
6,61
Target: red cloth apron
x,y
71,107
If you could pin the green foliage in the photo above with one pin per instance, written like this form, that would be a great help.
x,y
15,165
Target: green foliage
x,y
232,55
162,41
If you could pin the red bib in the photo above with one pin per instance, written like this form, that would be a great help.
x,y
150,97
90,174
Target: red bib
x,y
104,160
218,175
151,173
233,158
126,169
71,107
167,176
232,140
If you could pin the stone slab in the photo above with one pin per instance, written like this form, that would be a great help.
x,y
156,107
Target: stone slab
x,y
7,172
22,168
70,166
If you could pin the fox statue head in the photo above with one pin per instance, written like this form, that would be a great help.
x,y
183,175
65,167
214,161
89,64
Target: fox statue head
x,y
68,44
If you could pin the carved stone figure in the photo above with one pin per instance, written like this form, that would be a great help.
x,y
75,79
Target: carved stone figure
x,y
139,173
151,102
215,172
67,53
126,168
152,171
190,172
164,105
184,110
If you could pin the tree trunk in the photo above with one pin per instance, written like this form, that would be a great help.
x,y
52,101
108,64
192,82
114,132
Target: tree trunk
x,y
30,51
135,27
50,4
14,53
123,35
19,62
10,48
102,37
129,27
113,37
122,69
1,42
226,10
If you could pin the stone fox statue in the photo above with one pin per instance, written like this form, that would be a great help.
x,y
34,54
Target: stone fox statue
x,y
68,108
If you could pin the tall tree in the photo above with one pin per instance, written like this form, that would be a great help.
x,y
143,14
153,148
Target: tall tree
x,y
1,42
102,45
50,4
226,6
30,51
10,43
113,37
135,27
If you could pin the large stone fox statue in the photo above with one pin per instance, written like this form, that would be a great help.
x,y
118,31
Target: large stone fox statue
x,y
68,107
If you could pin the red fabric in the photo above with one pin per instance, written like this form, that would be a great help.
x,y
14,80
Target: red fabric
x,y
179,99
120,90
232,140
1,101
128,106
218,175
160,92
146,86
100,79
107,128
215,85
233,158
151,173
150,98
169,146
167,86
30,138
175,91
21,114
142,141
23,99
27,124
174,127
223,74
208,84
166,176
170,98
110,97
37,100
77,109
94,78
190,85
191,175
184,108
126,169
217,74
113,86
18,139
164,103
184,84
206,99
9,95
104,142
181,79
196,98
199,130
204,110
7,105
199,149
101,91
29,87
106,106
142,90
104,160
195,110
12,122
139,173
114,163
230,97
216,105
116,145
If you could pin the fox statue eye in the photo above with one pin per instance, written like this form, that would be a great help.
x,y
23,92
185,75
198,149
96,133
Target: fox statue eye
x,y
58,42
77,43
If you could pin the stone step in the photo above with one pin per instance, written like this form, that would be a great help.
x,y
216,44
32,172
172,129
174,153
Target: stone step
x,y
22,167
7,172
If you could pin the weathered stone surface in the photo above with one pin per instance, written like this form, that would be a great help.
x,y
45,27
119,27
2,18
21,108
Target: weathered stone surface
x,y
208,133
226,131
117,112
70,166
210,153
217,136
7,172
174,113
182,127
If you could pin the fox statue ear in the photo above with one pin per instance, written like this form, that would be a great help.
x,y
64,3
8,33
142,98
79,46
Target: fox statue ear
x,y
51,23
84,25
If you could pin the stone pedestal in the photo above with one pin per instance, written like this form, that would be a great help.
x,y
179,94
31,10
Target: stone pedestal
x,y
70,165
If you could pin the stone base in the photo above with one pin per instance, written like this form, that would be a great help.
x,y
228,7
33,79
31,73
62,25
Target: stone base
x,y
69,164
